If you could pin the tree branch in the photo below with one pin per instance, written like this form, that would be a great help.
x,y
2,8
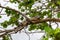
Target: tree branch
x,y
15,11
26,23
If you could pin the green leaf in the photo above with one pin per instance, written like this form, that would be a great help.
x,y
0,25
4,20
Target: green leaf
x,y
57,36
47,29
5,24
32,27
0,16
22,10
56,30
22,18
46,38
49,4
58,14
58,2
21,4
33,14
16,23
10,12
43,25
14,1
5,37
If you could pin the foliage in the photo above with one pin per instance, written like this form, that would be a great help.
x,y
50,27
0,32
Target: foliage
x,y
44,12
6,37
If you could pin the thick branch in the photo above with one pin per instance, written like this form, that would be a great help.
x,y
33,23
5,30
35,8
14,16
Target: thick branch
x,y
26,23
